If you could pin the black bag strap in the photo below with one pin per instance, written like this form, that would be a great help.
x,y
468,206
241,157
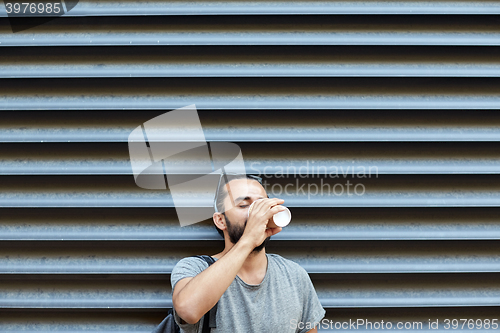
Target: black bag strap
x,y
209,320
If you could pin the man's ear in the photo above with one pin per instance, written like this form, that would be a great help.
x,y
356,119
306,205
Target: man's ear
x,y
219,221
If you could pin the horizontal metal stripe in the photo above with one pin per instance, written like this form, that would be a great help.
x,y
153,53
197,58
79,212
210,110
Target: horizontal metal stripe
x,y
53,292
420,290
334,291
140,321
162,224
249,93
144,258
270,159
125,8
78,320
251,30
381,191
279,126
161,61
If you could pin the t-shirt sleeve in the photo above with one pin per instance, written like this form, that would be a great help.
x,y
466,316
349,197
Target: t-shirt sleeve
x,y
187,267
312,311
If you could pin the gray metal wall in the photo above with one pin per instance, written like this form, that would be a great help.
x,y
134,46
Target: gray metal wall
x,y
410,87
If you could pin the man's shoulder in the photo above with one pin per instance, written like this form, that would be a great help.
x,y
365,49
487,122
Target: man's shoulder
x,y
288,264
187,267
190,265
284,261
192,261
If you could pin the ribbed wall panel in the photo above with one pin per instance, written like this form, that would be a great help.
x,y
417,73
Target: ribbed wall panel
x,y
476,30
290,7
319,126
409,88
250,61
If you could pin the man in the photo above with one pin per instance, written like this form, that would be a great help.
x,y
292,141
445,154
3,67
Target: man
x,y
257,292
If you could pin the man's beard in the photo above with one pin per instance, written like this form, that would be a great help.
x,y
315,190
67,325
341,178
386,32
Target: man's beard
x,y
236,231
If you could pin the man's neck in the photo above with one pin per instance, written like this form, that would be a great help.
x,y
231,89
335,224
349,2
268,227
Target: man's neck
x,y
253,269
255,262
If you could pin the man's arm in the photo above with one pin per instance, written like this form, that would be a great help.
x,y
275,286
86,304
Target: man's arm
x,y
193,297
314,330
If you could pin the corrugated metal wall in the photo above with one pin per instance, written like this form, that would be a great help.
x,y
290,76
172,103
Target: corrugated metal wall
x,y
410,87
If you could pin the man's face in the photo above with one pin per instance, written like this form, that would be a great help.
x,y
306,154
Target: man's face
x,y
245,191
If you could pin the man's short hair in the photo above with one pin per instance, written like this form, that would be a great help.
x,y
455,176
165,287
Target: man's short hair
x,y
223,194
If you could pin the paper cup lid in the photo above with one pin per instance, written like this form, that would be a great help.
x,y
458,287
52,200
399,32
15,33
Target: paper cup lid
x,y
282,218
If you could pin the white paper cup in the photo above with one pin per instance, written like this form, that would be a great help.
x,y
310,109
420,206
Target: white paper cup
x,y
280,219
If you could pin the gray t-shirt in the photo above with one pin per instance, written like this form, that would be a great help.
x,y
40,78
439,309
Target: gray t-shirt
x,y
284,301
